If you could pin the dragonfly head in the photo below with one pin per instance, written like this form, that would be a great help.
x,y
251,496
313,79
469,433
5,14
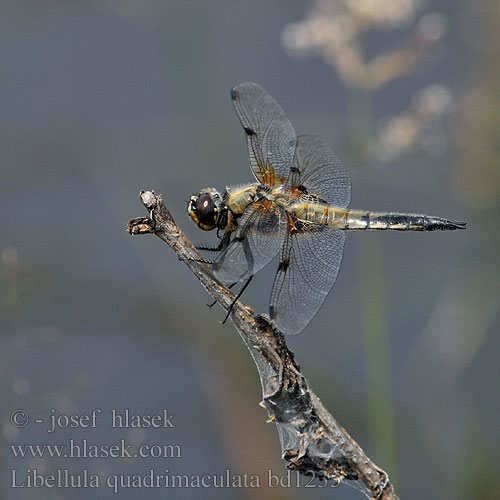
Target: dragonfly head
x,y
205,208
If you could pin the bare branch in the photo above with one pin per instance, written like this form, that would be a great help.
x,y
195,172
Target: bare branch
x,y
312,441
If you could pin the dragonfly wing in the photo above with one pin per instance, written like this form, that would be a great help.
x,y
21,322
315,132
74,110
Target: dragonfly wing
x,y
309,264
270,135
319,171
258,238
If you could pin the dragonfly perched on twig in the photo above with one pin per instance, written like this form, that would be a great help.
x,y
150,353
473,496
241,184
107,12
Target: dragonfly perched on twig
x,y
297,209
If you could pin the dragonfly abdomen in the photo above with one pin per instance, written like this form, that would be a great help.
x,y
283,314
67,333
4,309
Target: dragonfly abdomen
x,y
399,222
341,218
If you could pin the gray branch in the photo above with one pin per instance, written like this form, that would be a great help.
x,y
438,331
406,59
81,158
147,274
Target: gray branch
x,y
312,441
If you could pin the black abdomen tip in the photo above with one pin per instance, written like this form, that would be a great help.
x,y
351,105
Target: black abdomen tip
x,y
443,224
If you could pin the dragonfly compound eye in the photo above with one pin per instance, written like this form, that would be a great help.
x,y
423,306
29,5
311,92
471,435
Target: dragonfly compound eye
x,y
203,211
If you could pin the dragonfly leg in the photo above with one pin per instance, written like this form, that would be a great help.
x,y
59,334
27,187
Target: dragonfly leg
x,y
208,249
239,294
215,302
222,245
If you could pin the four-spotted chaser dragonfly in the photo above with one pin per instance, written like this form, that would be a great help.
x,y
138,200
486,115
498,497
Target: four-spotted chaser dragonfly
x,y
297,209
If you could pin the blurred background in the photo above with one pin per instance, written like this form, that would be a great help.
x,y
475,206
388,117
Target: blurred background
x,y
100,99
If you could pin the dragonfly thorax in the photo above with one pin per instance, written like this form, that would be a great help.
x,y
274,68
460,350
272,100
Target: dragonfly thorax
x,y
240,197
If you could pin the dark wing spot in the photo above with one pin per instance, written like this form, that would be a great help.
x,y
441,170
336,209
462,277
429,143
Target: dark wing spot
x,y
294,170
297,227
234,94
249,131
283,265
272,312
302,189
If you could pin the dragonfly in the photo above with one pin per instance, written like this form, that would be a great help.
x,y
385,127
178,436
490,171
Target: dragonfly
x,y
297,209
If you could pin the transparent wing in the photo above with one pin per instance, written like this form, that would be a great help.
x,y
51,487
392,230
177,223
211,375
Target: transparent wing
x,y
320,172
309,265
258,238
270,135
